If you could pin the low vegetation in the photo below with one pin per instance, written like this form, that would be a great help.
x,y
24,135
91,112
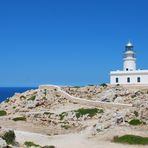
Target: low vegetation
x,y
136,122
3,113
32,144
87,111
136,113
32,98
66,126
131,139
44,98
14,107
48,113
62,115
45,92
9,137
19,119
103,85
82,111
7,100
90,84
76,86
50,146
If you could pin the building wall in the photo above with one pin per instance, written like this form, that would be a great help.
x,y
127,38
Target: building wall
x,y
122,78
129,64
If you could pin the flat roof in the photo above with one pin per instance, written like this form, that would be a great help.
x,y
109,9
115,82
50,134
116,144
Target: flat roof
x,y
119,72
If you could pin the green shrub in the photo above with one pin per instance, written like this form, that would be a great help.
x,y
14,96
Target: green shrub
x,y
90,84
19,119
45,92
131,139
14,107
90,111
3,113
76,86
9,137
133,96
32,98
62,115
136,113
136,122
50,146
44,98
66,126
48,113
103,85
7,100
30,144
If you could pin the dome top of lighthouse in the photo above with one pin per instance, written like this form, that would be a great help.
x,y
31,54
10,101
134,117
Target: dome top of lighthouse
x,y
129,47
129,44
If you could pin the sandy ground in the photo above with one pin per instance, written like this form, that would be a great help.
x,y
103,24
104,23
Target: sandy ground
x,y
69,141
29,132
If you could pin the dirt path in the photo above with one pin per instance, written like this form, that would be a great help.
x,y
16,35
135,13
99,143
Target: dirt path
x,y
69,141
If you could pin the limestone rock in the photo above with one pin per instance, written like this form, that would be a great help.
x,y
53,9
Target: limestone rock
x,y
3,143
119,100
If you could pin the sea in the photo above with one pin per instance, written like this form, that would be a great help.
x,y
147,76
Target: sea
x,y
7,92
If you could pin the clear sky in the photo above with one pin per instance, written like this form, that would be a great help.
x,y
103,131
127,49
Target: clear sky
x,y
69,42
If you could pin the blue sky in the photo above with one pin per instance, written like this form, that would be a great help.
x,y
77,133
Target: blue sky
x,y
69,42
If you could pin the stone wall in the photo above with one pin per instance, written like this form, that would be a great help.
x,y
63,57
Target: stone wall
x,y
85,101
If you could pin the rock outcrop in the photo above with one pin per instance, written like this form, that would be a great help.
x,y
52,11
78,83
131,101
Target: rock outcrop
x,y
3,143
68,109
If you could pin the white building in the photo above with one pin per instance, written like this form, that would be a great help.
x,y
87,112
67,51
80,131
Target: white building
x,y
129,74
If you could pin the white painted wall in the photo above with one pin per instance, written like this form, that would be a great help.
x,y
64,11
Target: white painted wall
x,y
130,64
133,75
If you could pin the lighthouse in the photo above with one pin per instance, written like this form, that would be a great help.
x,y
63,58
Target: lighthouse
x,y
129,74
129,59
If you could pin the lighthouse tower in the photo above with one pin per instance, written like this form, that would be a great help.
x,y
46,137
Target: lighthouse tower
x,y
129,74
129,60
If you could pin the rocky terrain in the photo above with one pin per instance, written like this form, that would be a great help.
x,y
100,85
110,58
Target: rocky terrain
x,y
89,111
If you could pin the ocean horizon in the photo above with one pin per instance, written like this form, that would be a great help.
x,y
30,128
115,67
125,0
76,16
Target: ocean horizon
x,y
7,92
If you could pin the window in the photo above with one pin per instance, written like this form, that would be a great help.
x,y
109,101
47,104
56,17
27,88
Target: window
x,y
117,80
138,79
128,80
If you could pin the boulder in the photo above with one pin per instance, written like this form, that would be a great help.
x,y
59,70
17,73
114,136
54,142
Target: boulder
x,y
98,128
119,119
119,100
3,143
137,103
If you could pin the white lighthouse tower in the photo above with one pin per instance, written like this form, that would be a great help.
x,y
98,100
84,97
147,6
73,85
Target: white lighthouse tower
x,y
129,60
129,74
